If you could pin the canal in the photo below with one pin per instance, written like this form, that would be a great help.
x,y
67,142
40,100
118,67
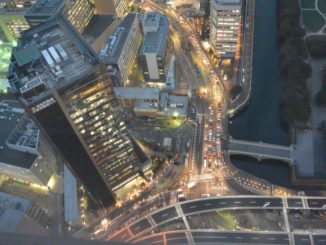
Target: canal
x,y
261,120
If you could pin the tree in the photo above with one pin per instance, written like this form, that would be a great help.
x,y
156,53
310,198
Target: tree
x,y
316,46
324,75
298,44
235,90
289,114
295,71
321,97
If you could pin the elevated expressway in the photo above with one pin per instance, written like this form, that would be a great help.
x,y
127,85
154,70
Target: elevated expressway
x,y
153,228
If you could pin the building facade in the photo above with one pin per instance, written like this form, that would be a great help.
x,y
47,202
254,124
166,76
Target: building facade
x,y
19,3
155,53
66,89
121,49
118,8
205,6
78,12
225,19
12,20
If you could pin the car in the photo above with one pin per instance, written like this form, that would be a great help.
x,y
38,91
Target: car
x,y
210,135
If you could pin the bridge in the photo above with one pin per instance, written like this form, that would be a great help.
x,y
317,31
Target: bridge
x,y
261,150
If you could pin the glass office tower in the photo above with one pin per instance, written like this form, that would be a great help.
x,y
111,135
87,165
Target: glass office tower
x,y
68,92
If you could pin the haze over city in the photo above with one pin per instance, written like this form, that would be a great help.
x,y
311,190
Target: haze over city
x,y
163,122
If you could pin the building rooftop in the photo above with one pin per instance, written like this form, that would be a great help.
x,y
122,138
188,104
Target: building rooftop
x,y
151,19
12,123
111,51
3,3
98,24
71,203
10,11
51,55
174,104
46,7
10,7
146,106
228,2
25,135
168,104
12,212
171,75
155,41
137,93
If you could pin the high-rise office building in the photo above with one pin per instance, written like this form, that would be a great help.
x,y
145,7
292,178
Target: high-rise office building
x,y
78,12
155,53
204,6
120,51
225,18
12,20
67,91
118,8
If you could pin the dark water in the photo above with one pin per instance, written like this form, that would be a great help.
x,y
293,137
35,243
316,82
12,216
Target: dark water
x,y
261,120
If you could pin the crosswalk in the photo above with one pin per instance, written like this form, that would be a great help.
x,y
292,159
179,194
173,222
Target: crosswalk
x,y
253,186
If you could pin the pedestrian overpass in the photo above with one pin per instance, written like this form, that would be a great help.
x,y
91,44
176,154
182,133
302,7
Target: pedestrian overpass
x,y
260,150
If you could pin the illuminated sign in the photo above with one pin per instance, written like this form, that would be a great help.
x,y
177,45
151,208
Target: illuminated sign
x,y
44,104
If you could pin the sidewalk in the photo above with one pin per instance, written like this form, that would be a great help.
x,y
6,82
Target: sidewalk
x,y
245,75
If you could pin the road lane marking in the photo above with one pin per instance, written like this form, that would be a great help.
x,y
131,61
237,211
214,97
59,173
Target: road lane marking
x,y
222,202
193,206
271,238
207,204
163,215
137,228
255,238
266,204
237,202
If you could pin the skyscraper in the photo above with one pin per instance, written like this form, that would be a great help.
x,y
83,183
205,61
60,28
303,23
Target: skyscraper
x,y
225,17
12,20
78,12
112,7
67,91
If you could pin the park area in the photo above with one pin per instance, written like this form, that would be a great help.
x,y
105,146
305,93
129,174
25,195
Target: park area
x,y
308,4
313,15
321,5
312,20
